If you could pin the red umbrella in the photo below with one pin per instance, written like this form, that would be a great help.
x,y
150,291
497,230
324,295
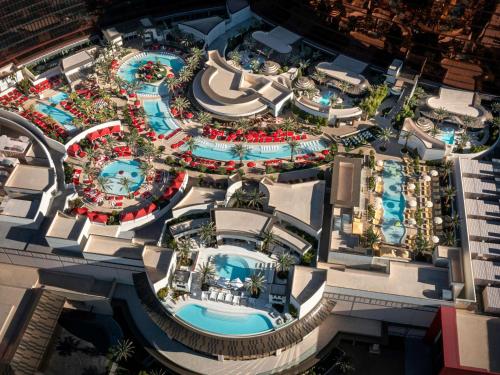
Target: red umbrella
x,y
91,215
101,218
105,131
150,62
230,163
131,95
188,159
93,136
149,76
127,216
82,210
74,148
325,152
189,115
142,212
251,164
137,103
151,208
123,91
170,75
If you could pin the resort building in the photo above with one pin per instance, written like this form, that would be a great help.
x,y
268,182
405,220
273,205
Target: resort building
x,y
279,40
428,147
230,92
74,67
348,71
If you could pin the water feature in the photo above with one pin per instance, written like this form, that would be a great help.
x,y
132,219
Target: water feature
x,y
58,97
119,169
393,202
224,323
159,116
447,135
65,119
234,266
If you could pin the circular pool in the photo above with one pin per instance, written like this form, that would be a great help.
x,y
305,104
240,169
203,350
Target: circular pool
x,y
124,176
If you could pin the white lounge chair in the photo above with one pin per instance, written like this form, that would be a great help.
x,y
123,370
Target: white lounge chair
x,y
213,296
236,300
221,296
228,298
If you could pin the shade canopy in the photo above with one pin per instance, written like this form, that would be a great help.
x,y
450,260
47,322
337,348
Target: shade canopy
x,y
412,203
427,178
435,239
434,173
438,220
251,164
411,186
429,204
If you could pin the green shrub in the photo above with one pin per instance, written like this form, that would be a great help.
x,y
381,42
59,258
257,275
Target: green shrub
x,y
162,293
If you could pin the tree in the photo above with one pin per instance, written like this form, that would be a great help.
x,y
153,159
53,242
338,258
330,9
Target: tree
x,y
343,86
294,145
256,284
407,134
207,273
440,114
343,364
204,118
449,239
371,237
103,183
464,139
255,65
191,144
285,261
235,56
302,65
268,240
240,150
123,350
319,76
467,121
447,168
289,124
207,233
385,136
256,199
238,198
243,124
180,104
184,247
449,193
126,184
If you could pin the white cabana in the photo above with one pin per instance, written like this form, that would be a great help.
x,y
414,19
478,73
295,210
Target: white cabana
x,y
438,220
429,204
434,173
435,239
427,178
411,186
412,203
379,179
412,221
237,283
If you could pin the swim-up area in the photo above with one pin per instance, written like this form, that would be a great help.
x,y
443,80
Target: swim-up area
x,y
123,176
65,119
233,267
159,116
224,151
220,323
393,202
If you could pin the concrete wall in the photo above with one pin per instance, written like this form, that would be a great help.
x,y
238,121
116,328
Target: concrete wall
x,y
239,17
212,35
77,138
307,306
425,153
298,223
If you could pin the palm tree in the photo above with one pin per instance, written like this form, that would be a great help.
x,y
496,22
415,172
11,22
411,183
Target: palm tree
x,y
440,114
343,364
132,139
268,240
467,121
207,233
191,145
449,239
302,65
184,247
256,199
243,124
319,76
207,273
449,193
406,135
256,284
235,56
240,150
123,350
204,118
172,84
196,52
103,183
180,104
447,168
285,261
343,86
145,168
464,139
255,65
238,198
371,237
126,184
288,124
385,136
294,145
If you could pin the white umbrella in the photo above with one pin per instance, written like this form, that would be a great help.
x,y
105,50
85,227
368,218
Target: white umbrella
x,y
413,203
427,178
380,163
434,173
438,220
412,221
378,202
429,204
237,283
435,239
411,186
379,179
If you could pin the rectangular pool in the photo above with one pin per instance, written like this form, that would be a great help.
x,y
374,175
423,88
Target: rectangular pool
x,y
63,118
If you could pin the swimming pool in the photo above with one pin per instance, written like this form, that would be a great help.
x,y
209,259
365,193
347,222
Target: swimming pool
x,y
58,98
224,324
128,70
61,117
393,202
447,136
119,169
234,266
159,116
223,151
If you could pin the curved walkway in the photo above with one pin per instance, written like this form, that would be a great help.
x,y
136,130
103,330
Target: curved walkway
x,y
231,348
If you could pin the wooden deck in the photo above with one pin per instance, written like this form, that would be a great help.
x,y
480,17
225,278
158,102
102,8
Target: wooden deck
x,y
236,348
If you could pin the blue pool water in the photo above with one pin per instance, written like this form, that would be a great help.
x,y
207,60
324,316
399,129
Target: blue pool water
x,y
130,169
58,98
224,324
128,70
234,266
324,99
61,117
159,116
447,136
393,202
223,151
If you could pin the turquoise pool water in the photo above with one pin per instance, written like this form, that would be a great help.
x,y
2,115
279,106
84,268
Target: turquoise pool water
x,y
222,323
119,169
324,99
159,116
61,117
447,136
223,151
234,266
393,202
59,97
128,70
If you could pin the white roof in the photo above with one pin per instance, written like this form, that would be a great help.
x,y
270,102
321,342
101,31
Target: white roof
x,y
66,227
306,281
29,177
74,61
345,69
459,102
19,208
279,39
114,247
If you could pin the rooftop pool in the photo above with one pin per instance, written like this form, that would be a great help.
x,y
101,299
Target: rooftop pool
x,y
224,323
223,151
119,169
159,116
234,266
66,120
447,136
393,202
58,98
